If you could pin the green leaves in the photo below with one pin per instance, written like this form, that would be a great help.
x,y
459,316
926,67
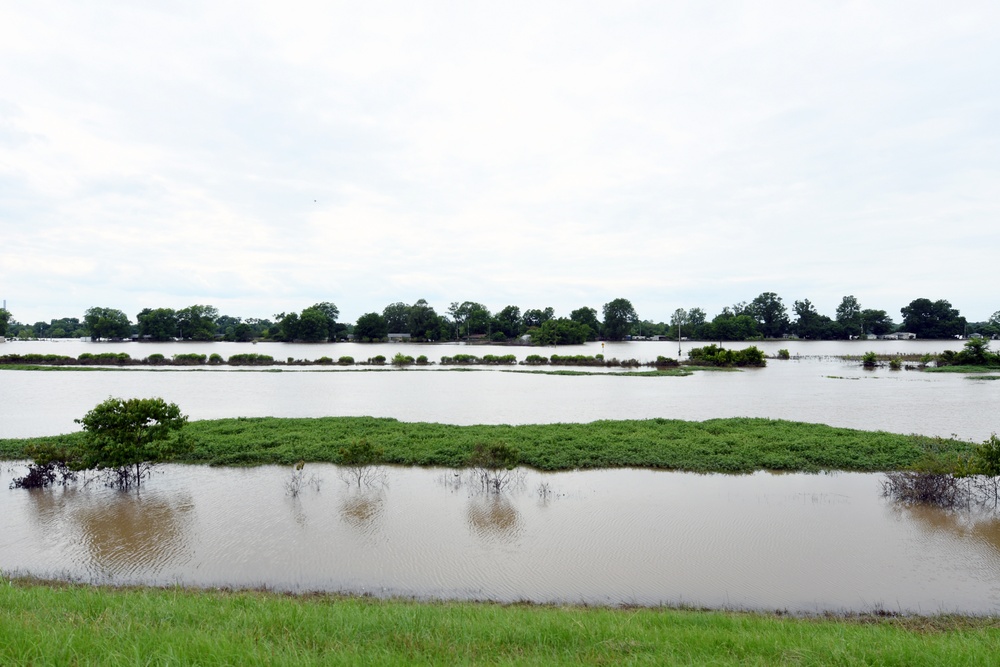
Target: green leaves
x,y
121,433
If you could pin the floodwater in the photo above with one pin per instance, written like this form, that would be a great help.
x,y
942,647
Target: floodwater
x,y
818,388
803,543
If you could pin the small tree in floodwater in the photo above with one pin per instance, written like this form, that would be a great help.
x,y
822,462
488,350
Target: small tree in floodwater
x,y
493,465
126,437
359,463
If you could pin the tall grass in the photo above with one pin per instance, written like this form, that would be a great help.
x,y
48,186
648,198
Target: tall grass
x,y
42,624
718,445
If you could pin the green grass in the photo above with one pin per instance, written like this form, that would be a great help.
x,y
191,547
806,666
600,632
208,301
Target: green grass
x,y
53,624
962,369
718,445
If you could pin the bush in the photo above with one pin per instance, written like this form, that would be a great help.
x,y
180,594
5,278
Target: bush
x,y
377,360
664,362
345,360
460,359
713,355
156,359
492,464
215,359
499,360
251,360
104,359
324,361
402,359
189,359
895,364
783,354
869,360
535,360
422,359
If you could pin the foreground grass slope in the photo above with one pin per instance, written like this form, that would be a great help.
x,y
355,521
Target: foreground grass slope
x,y
43,624
717,445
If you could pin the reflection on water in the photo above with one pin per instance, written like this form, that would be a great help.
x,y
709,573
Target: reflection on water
x,y
362,509
798,542
120,533
493,516
132,533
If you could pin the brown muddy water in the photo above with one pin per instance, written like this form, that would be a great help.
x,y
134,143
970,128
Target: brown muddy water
x,y
803,543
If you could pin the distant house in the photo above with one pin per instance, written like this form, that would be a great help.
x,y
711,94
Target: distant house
x,y
900,335
395,338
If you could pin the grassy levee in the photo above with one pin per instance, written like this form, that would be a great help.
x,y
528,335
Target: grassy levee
x,y
53,624
735,445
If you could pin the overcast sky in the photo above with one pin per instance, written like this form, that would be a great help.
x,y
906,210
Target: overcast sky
x,y
262,157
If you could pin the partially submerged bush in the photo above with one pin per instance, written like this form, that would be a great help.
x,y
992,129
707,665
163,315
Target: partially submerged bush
x,y
784,354
251,359
869,360
189,359
402,359
713,355
493,464
50,466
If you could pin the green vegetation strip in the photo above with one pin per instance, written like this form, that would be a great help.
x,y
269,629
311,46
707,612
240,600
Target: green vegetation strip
x,y
52,624
718,445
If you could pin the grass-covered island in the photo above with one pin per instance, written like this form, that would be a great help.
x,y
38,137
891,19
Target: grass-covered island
x,y
735,445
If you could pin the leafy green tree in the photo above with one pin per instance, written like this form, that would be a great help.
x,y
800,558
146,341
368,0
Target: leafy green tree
x,y
159,324
370,327
560,331
813,326
329,309
696,323
313,326
726,326
197,322
287,327
849,316
587,316
770,313
397,318
508,321
107,323
535,317
4,320
424,322
128,436
618,318
932,319
470,318
876,322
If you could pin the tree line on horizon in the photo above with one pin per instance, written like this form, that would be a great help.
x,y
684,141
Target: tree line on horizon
x,y
766,316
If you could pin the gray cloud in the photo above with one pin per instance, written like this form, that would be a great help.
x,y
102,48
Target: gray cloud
x,y
262,157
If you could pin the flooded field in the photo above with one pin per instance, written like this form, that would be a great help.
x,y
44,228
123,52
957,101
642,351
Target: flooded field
x,y
804,543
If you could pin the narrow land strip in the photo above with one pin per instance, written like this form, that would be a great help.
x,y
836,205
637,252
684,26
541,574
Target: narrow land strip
x,y
736,445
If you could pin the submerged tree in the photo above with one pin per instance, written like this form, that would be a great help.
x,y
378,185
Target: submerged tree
x,y
127,437
493,464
